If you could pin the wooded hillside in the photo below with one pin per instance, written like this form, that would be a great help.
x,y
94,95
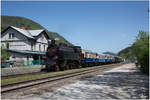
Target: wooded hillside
x,y
17,21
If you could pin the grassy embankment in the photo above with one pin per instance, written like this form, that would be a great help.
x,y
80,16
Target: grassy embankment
x,y
36,76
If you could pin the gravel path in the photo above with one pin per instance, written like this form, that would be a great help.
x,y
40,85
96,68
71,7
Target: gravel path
x,y
124,82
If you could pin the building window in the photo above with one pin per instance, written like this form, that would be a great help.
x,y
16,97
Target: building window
x,y
44,47
9,35
12,35
31,46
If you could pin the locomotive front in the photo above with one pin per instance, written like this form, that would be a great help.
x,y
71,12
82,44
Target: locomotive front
x,y
62,57
52,57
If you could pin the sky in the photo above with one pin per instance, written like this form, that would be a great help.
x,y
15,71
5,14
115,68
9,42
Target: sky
x,y
97,26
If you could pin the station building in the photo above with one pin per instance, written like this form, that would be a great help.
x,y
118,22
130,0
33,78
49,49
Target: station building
x,y
25,44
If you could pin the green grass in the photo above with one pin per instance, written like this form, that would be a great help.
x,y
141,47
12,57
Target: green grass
x,y
30,77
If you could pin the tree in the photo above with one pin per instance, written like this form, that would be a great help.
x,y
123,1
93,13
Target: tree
x,y
141,50
4,53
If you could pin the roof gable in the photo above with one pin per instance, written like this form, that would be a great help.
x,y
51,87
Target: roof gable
x,y
24,32
44,33
35,32
28,33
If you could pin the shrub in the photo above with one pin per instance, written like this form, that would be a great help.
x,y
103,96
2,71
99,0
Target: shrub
x,y
4,53
141,50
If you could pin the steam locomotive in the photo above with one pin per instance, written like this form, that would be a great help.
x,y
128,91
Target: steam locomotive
x,y
62,57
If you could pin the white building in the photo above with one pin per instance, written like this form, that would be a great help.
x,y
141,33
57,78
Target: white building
x,y
25,44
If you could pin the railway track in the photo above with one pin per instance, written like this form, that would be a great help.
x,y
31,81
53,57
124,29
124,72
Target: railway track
x,y
29,83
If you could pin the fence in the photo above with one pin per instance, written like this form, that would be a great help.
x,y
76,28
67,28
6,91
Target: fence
x,y
21,63
32,62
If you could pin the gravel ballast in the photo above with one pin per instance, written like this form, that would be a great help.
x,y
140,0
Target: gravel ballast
x,y
124,82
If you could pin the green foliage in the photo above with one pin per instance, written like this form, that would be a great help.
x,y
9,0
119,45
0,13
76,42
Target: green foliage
x,y
127,53
4,54
141,50
17,21
7,45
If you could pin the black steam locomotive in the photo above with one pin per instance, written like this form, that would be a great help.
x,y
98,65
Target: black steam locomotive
x,y
62,57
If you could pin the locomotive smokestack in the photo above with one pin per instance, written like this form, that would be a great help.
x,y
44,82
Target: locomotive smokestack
x,y
53,42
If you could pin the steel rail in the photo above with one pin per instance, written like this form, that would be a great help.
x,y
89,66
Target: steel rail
x,y
29,83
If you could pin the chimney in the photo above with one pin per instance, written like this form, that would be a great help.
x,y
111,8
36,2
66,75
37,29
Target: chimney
x,y
23,27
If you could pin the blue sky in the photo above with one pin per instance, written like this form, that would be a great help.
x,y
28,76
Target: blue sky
x,y
97,26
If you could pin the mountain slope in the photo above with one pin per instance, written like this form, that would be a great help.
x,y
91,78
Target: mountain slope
x,y
17,21
127,53
109,53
